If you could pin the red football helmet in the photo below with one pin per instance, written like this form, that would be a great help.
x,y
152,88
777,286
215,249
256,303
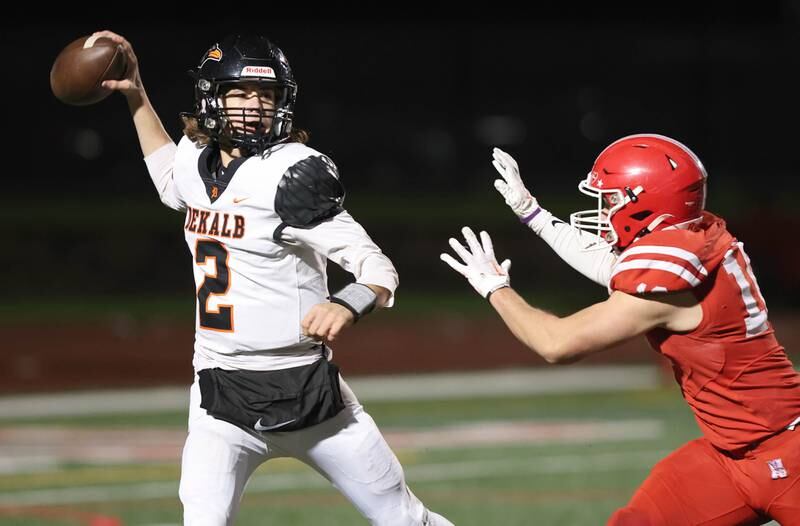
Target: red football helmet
x,y
641,182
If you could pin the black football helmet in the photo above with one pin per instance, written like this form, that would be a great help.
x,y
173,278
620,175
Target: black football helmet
x,y
237,59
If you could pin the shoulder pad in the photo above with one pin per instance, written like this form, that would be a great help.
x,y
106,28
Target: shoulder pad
x,y
309,193
670,260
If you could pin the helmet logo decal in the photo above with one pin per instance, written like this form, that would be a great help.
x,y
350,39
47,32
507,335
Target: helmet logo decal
x,y
215,54
258,71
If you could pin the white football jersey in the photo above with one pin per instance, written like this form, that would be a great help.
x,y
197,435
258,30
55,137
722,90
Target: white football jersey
x,y
253,292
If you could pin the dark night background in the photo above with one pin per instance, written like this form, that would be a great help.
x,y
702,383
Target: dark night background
x,y
409,109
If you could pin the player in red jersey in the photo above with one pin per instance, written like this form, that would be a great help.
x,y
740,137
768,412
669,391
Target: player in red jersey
x,y
675,274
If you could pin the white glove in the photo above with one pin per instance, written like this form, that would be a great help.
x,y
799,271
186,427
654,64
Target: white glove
x,y
512,188
480,268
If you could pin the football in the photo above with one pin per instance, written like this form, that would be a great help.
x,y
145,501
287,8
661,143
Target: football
x,y
82,66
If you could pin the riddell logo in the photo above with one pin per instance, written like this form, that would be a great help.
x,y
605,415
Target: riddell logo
x,y
258,71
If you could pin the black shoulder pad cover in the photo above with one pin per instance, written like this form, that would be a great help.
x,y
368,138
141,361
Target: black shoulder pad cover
x,y
309,192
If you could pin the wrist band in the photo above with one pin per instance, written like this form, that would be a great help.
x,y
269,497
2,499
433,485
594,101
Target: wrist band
x,y
357,298
528,218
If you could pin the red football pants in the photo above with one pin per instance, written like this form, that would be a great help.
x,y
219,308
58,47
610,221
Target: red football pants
x,y
698,485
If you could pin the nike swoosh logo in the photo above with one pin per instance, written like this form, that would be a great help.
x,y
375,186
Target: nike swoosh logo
x,y
237,200
259,427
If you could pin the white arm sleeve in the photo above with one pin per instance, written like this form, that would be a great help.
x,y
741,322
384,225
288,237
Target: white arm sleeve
x,y
159,164
345,242
568,242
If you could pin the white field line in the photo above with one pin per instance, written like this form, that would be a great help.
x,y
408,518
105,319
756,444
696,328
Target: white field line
x,y
437,386
443,472
39,449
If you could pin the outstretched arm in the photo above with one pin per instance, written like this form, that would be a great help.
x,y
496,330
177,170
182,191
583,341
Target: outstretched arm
x,y
568,242
596,328
561,340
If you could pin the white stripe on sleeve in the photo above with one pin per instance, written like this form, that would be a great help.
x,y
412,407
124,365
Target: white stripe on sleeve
x,y
669,251
655,264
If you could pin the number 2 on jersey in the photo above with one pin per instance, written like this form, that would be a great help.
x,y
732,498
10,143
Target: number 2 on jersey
x,y
214,256
756,320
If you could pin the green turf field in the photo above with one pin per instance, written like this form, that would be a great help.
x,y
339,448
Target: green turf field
x,y
548,459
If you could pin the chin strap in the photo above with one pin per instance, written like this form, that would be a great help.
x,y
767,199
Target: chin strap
x,y
660,219
652,226
655,222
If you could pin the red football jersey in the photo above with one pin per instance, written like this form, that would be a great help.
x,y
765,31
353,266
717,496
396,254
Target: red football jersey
x,y
732,371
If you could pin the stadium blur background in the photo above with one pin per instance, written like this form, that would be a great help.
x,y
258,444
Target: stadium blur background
x,y
97,285
409,110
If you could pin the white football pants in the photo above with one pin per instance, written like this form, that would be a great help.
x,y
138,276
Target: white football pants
x,y
348,450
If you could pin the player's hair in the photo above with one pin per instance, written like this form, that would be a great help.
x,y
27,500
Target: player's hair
x,y
192,130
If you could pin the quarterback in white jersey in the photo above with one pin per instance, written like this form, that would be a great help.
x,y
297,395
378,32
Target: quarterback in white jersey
x,y
263,216
254,289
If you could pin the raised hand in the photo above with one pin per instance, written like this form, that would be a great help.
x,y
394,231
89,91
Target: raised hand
x,y
479,263
132,83
512,188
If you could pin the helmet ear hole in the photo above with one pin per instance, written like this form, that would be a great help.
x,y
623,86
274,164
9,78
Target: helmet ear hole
x,y
641,216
